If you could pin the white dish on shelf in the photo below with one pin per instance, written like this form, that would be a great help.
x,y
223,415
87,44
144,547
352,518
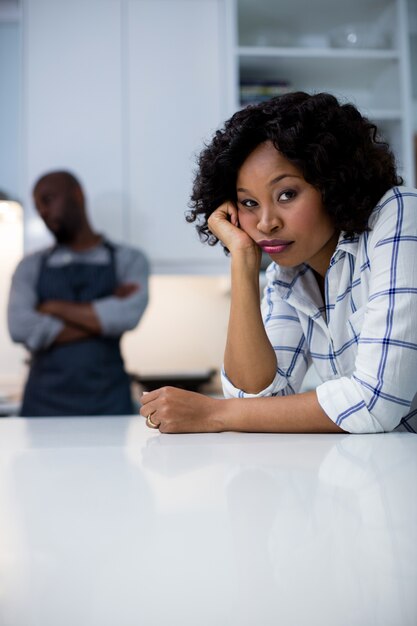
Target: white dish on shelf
x,y
358,36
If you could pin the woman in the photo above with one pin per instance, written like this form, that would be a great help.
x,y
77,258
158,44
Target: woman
x,y
305,180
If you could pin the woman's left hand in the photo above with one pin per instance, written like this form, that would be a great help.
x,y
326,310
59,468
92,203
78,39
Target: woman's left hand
x,y
175,410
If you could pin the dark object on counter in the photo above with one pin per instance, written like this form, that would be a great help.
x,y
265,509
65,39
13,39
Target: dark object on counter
x,y
189,380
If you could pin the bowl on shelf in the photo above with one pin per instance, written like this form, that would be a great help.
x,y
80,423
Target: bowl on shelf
x,y
359,36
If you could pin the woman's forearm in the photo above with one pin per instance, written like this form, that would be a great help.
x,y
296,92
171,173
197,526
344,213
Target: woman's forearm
x,y
300,413
250,361
178,411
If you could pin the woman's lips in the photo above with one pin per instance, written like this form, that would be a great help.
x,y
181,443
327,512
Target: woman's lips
x,y
274,246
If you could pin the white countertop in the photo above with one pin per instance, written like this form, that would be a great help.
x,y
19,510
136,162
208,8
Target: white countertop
x,y
104,522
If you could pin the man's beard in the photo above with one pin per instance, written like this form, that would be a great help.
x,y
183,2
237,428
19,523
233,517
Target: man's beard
x,y
64,235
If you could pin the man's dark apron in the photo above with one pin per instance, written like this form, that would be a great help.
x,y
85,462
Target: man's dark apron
x,y
83,377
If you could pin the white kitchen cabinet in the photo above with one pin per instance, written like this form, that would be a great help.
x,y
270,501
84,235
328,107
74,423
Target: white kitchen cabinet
x,y
72,105
301,44
124,93
177,96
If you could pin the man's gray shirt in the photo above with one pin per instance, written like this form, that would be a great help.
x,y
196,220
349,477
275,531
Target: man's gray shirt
x,y
37,330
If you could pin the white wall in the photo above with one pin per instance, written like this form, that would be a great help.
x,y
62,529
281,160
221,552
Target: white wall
x,y
184,327
12,368
10,75
12,356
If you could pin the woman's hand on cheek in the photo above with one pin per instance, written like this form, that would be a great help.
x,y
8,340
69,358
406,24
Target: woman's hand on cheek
x,y
224,224
175,410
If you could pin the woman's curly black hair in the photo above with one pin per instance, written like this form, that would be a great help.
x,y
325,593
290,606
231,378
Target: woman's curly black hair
x,y
336,149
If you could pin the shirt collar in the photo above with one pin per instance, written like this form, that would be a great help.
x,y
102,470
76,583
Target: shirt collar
x,y
347,245
298,286
287,277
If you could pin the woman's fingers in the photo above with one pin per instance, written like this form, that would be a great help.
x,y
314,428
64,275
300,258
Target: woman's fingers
x,y
224,224
178,411
219,219
148,408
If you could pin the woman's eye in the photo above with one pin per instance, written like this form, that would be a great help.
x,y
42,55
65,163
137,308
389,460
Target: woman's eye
x,y
248,204
287,195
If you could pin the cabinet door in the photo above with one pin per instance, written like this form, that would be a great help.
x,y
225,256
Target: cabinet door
x,y
72,105
176,99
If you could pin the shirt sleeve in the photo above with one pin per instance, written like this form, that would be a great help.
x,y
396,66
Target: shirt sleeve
x,y
379,392
118,315
36,331
286,335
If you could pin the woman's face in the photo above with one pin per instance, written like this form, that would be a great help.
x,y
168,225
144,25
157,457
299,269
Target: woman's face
x,y
283,213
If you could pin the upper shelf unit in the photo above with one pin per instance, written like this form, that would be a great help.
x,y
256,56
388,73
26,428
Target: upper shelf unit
x,y
322,24
358,51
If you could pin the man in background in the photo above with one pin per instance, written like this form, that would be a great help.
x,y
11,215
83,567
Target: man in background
x,y
70,304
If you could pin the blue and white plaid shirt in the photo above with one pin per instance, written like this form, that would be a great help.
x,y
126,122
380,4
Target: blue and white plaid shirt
x,y
363,341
